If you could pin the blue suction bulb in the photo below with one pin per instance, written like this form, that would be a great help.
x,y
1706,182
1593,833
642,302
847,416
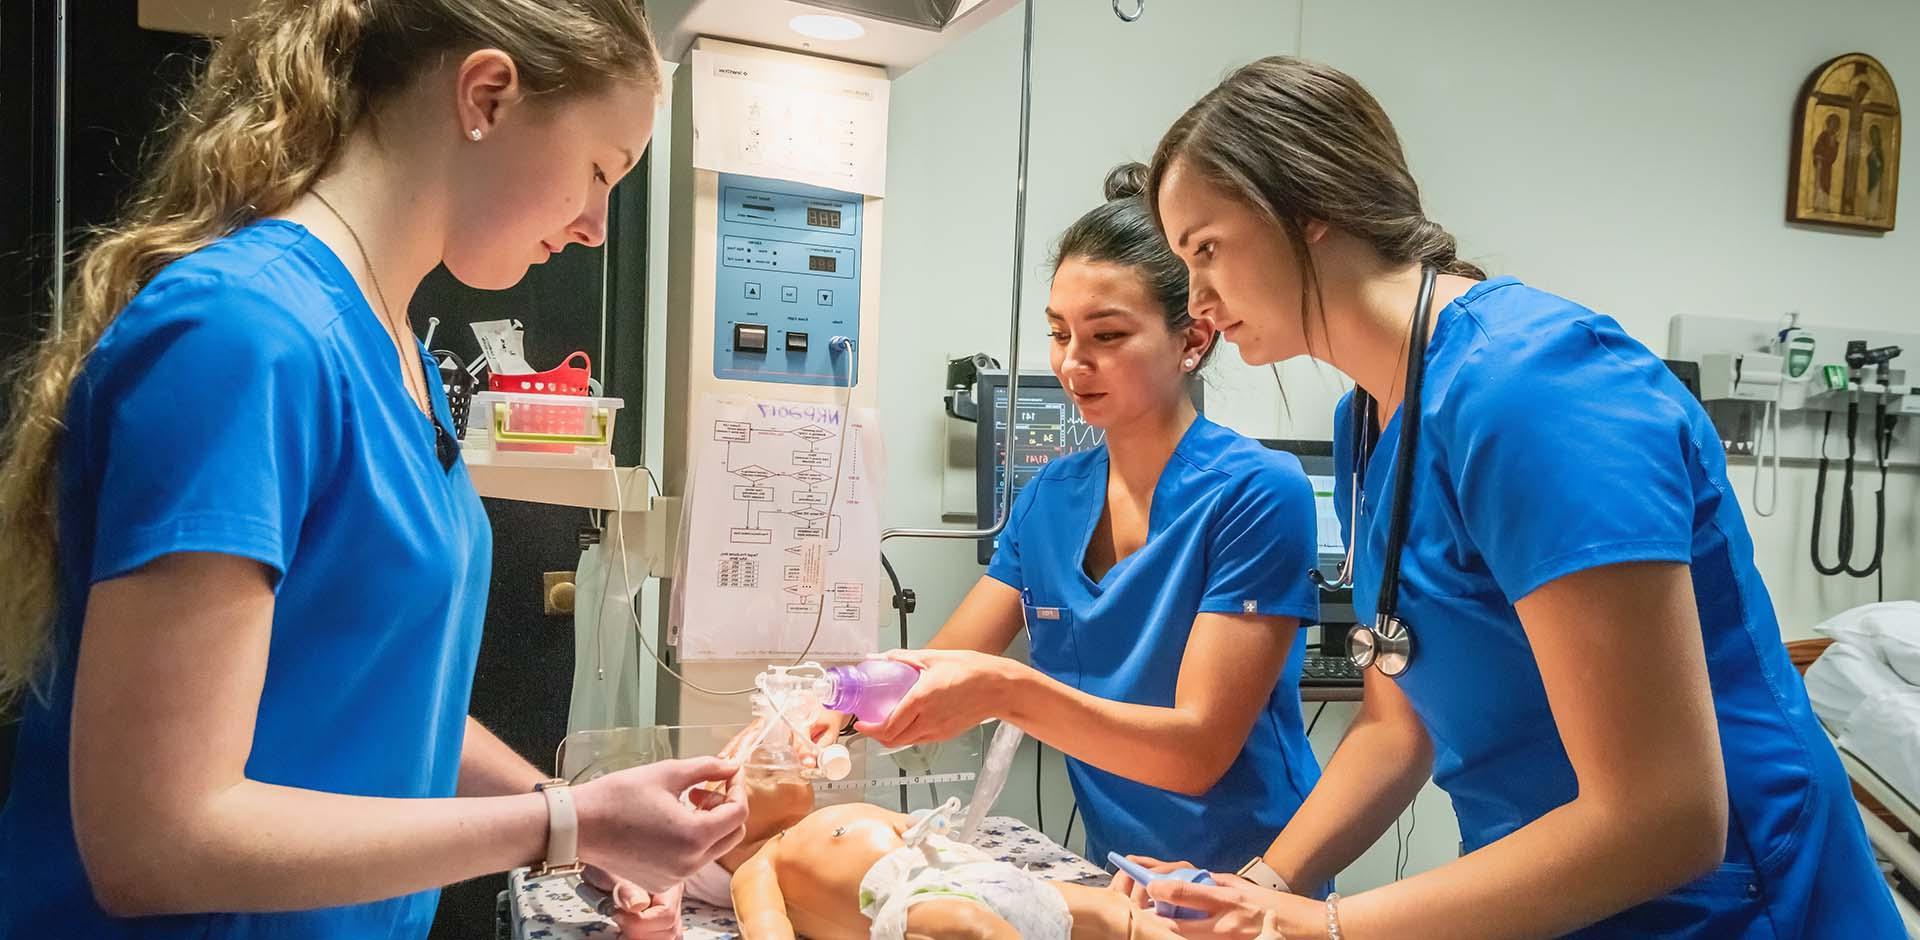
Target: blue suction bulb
x,y
1140,874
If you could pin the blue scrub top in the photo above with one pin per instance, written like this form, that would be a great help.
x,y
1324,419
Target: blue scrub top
x,y
1551,442
1230,531
248,402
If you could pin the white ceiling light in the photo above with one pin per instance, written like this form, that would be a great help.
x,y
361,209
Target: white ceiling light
x,y
893,34
830,28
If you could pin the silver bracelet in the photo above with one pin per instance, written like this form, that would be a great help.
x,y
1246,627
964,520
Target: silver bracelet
x,y
1333,916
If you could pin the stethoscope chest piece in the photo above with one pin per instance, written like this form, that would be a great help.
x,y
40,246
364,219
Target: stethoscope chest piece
x,y
1387,646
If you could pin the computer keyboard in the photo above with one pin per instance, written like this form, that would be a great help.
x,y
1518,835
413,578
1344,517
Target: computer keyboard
x,y
1329,670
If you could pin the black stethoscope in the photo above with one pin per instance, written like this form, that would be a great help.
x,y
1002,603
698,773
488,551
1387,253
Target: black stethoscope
x,y
1388,644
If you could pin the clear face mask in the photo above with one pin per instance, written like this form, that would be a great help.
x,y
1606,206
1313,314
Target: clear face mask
x,y
779,750
785,707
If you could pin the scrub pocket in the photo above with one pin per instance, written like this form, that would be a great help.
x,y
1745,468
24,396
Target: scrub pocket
x,y
1051,642
1726,904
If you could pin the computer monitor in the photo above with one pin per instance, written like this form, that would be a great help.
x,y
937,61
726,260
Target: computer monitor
x,y
1688,373
1336,607
1047,425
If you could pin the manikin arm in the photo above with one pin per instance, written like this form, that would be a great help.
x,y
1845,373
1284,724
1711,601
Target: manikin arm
x,y
757,901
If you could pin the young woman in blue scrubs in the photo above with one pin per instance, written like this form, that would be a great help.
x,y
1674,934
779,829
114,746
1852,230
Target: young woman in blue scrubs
x,y
242,568
1161,579
1596,677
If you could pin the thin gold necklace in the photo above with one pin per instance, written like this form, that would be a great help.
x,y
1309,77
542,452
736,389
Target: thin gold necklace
x,y
419,395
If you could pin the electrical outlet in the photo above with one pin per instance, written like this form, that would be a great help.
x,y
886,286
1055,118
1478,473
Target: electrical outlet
x,y
557,593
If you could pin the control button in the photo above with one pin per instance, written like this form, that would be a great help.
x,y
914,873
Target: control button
x,y
790,294
825,298
753,291
749,337
796,342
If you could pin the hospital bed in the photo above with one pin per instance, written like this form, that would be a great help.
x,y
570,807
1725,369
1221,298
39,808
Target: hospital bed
x,y
1879,765
1896,846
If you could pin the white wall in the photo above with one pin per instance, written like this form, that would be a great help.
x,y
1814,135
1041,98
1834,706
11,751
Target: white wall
x,y
1630,155
1633,156
1103,93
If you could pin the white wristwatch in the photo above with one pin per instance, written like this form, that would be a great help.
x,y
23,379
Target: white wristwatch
x,y
563,831
1262,874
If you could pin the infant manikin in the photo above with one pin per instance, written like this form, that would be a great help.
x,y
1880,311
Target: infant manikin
x,y
930,865
856,871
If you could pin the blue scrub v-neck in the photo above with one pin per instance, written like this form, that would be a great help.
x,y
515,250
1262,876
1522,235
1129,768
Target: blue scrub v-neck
x,y
1230,531
1099,481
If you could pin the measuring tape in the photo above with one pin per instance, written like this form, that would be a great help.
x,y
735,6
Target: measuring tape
x,y
878,782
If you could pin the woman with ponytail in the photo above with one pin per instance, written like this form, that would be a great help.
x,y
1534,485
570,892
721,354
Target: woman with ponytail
x,y
1579,649
1156,577
242,569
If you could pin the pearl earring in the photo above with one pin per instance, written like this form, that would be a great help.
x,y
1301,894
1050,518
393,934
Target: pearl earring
x,y
1189,363
474,135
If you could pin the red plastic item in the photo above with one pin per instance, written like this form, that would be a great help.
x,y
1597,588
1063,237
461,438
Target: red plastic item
x,y
562,379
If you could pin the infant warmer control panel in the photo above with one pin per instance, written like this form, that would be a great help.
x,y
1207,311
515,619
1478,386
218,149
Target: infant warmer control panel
x,y
787,282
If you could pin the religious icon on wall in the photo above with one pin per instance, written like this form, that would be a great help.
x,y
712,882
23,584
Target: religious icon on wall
x,y
1846,146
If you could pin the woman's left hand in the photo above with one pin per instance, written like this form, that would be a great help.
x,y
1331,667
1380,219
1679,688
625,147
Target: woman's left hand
x,y
1239,909
956,691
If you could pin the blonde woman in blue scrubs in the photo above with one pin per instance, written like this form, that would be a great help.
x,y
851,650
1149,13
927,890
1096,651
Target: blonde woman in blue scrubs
x,y
243,569
1162,578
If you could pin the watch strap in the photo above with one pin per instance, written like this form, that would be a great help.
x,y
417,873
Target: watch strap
x,y
1262,874
563,831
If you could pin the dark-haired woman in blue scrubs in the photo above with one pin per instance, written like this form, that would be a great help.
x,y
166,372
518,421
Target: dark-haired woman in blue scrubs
x,y
1161,579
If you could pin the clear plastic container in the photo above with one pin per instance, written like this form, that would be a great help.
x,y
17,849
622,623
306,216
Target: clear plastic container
x,y
537,430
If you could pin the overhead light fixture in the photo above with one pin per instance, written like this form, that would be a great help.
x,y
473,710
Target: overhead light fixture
x,y
826,27
896,35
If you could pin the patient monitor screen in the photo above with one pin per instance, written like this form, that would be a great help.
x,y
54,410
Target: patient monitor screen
x,y
1316,458
1046,427
1327,523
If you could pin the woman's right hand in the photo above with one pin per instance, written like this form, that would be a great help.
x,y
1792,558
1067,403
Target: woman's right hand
x,y
634,824
1125,884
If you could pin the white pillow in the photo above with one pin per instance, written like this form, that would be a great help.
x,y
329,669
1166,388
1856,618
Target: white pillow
x,y
1845,676
1890,629
1884,733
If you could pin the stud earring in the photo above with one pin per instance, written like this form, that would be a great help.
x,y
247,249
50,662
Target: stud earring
x,y
474,135
1189,363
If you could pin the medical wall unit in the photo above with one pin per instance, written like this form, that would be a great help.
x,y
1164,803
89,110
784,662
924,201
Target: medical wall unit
x,y
773,280
1838,399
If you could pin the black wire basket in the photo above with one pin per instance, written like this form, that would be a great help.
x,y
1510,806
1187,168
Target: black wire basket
x,y
459,385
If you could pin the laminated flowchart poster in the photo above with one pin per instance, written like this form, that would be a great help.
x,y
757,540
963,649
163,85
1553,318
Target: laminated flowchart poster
x,y
782,532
